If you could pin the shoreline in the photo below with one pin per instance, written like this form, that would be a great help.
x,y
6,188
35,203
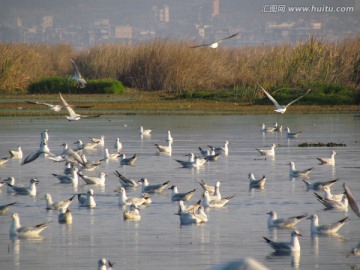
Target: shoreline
x,y
152,103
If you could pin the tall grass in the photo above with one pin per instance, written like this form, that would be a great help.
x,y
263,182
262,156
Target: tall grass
x,y
172,66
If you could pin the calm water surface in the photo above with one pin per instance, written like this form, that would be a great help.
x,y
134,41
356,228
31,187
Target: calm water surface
x,y
157,241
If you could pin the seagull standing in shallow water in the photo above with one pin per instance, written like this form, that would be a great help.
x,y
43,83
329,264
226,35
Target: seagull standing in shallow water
x,y
279,108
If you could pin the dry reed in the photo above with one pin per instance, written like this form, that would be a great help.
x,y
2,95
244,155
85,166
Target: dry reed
x,y
172,66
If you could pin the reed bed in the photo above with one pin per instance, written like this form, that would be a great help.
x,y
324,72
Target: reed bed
x,y
172,66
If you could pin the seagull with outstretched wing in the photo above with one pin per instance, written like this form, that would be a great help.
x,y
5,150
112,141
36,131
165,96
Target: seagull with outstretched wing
x,y
80,81
54,107
72,115
281,108
215,44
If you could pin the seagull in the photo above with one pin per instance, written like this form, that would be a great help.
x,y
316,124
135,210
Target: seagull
x,y
44,149
193,214
215,44
102,264
69,179
329,196
176,196
72,115
10,180
32,231
92,180
279,108
65,216
80,81
143,131
246,263
196,163
333,228
99,141
164,148
125,200
328,161
5,208
169,138
127,161
355,251
298,173
332,204
319,185
292,246
118,145
210,189
55,108
87,146
112,156
90,165
87,200
221,149
277,128
275,222
256,183
265,129
207,202
132,213
292,135
30,190
352,201
50,205
154,188
16,153
267,152
124,181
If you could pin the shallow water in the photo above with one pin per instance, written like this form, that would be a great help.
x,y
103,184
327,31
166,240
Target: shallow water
x,y
158,241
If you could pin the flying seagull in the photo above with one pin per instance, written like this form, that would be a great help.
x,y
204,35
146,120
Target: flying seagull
x,y
55,108
281,108
80,81
215,44
72,115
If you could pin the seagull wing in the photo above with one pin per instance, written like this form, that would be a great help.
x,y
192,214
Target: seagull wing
x,y
76,69
297,98
234,35
32,157
40,103
272,99
352,201
68,107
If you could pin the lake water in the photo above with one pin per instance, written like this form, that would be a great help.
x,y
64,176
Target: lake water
x,y
158,241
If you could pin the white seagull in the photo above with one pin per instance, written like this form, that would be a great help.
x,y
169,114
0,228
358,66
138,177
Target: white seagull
x,y
118,145
298,173
44,149
125,181
275,222
221,149
87,200
329,196
99,141
292,135
30,190
154,188
72,115
16,230
333,204
184,196
55,107
143,131
319,185
4,160
112,156
207,202
93,180
280,108
328,160
127,161
355,251
164,148
169,138
256,183
332,228
65,216
69,178
16,153
125,200
286,247
267,152
132,213
80,81
50,205
215,44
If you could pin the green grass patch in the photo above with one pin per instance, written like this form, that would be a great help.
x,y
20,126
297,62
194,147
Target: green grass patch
x,y
54,85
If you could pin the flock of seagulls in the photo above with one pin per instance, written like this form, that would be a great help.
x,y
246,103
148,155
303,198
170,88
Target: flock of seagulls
x,y
78,168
